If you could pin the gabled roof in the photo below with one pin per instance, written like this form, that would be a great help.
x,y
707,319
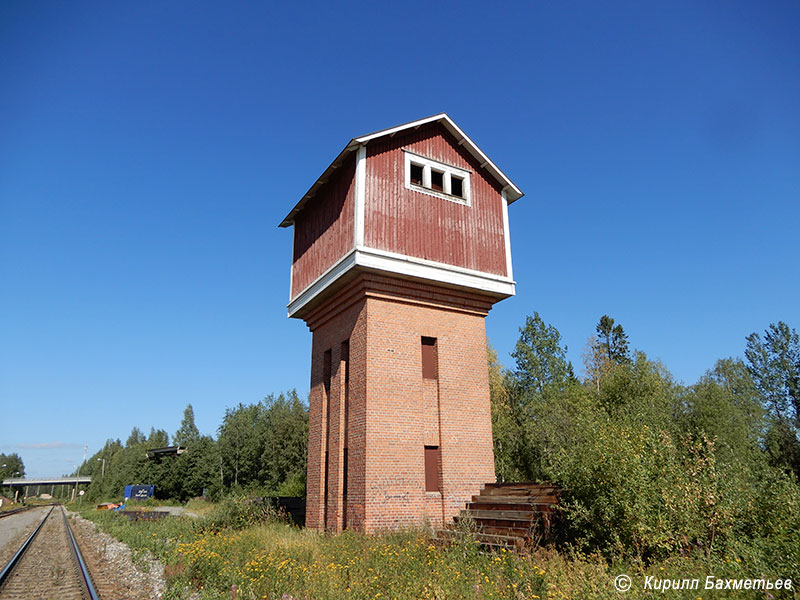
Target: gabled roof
x,y
512,191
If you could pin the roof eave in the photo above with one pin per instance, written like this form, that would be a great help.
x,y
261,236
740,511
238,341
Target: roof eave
x,y
321,180
513,193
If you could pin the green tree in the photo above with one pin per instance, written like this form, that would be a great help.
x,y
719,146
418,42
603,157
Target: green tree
x,y
126,466
193,471
188,433
774,364
505,429
285,444
203,472
136,437
613,341
265,444
725,407
98,466
10,465
635,483
239,443
158,438
541,374
540,360
189,473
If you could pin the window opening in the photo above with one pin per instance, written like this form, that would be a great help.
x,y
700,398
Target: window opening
x,y
416,174
326,373
430,359
456,186
437,180
432,460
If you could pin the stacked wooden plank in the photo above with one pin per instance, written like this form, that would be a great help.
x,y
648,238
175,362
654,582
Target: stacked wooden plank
x,y
513,515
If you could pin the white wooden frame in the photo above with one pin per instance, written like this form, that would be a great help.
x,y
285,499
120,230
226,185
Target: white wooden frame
x,y
449,170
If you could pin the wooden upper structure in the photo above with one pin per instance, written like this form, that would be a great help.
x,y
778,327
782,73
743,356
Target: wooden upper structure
x,y
419,201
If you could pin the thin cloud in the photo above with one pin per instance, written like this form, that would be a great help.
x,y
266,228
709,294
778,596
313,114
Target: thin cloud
x,y
48,445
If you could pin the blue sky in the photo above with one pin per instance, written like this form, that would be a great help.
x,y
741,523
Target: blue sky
x,y
149,150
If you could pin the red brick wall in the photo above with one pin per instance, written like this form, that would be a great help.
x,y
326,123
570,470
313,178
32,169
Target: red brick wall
x,y
351,324
397,427
394,412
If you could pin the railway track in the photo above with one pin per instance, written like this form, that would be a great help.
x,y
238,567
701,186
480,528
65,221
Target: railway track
x,y
13,511
48,564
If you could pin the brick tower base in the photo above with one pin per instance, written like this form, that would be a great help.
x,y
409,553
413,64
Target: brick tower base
x,y
400,429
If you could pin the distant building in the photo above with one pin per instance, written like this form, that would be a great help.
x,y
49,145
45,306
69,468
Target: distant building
x,y
154,453
400,249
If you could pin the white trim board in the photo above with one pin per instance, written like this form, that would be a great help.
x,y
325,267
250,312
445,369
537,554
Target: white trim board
x,y
360,196
507,235
448,172
291,271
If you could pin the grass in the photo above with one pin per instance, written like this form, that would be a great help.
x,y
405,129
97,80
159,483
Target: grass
x,y
275,560
199,506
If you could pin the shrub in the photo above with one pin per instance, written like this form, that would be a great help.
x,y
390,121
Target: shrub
x,y
238,512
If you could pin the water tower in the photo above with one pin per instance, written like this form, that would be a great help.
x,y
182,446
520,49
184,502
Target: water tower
x,y
400,249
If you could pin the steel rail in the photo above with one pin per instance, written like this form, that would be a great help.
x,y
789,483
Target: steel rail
x,y
15,559
13,511
16,511
82,568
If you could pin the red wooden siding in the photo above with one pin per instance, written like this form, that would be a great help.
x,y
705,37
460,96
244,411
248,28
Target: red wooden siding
x,y
419,225
323,231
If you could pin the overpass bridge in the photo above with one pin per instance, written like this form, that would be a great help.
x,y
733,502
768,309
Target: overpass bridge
x,y
22,482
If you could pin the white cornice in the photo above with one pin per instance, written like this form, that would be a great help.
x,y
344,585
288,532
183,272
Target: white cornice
x,y
408,266
347,262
